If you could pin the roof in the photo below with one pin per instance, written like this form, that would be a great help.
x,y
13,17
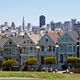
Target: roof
x,y
55,36
3,41
73,35
21,40
35,37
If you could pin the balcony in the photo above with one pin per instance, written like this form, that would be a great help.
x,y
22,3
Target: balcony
x,y
47,53
28,54
11,55
67,52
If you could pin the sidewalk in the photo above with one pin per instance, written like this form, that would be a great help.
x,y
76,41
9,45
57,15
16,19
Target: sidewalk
x,y
17,78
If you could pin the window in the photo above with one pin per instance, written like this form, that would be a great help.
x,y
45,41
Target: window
x,y
49,48
8,51
61,58
63,47
31,42
69,55
14,51
10,43
31,49
74,48
42,48
53,48
46,40
69,47
66,38
20,50
25,41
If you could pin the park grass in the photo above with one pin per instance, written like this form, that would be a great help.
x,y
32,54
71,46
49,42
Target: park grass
x,y
40,75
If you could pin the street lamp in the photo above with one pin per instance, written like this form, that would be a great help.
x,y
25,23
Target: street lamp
x,y
38,48
57,46
19,53
78,44
78,48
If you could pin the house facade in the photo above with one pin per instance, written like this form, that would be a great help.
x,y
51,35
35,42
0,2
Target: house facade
x,y
23,47
67,46
48,45
19,48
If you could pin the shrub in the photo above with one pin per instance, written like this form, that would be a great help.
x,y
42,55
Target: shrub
x,y
0,63
9,63
31,61
50,60
73,61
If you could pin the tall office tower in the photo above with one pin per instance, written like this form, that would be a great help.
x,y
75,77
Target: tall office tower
x,y
41,20
58,25
52,25
67,26
23,24
12,25
6,24
77,27
73,22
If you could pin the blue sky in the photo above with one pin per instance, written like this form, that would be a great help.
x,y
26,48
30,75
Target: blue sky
x,y
56,10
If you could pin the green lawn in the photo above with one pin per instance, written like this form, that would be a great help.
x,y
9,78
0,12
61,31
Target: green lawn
x,y
39,76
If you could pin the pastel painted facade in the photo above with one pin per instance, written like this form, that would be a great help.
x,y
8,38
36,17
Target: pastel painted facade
x,y
22,47
47,45
67,46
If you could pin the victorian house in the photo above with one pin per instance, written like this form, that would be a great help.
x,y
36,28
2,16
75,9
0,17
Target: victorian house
x,y
48,45
67,46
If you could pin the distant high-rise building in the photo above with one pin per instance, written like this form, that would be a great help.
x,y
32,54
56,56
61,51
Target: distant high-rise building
x,y
13,25
77,27
52,25
67,26
58,25
6,24
23,24
41,20
73,22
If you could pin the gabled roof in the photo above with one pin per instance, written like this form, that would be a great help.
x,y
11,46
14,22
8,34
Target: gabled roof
x,y
19,40
35,37
55,36
3,41
73,35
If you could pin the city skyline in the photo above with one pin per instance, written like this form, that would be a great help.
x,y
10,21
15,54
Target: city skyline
x,y
58,11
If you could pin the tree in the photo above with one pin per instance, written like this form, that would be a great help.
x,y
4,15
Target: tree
x,y
10,63
31,62
73,61
0,63
50,60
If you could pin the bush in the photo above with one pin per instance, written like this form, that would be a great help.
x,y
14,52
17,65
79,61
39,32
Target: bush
x,y
0,63
9,63
50,60
31,61
73,61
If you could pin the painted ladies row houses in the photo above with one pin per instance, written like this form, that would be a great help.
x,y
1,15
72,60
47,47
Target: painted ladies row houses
x,y
58,44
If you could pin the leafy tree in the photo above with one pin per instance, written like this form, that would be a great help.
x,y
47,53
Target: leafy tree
x,y
10,63
30,62
73,61
0,63
50,60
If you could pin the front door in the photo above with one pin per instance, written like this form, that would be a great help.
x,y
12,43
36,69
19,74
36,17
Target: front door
x,y
42,59
61,58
